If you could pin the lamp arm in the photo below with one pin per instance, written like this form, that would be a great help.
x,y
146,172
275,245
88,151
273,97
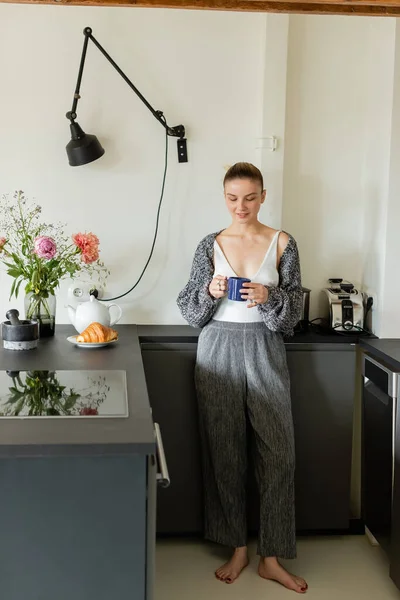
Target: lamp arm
x,y
72,114
178,131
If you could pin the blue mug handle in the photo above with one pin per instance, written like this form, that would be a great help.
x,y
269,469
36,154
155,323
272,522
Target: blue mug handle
x,y
235,284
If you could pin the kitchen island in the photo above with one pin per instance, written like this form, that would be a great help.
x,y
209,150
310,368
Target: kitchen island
x,y
77,487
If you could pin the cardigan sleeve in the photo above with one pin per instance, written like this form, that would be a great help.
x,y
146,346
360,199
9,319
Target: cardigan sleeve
x,y
194,301
282,311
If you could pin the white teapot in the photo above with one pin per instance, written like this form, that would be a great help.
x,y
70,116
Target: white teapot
x,y
91,312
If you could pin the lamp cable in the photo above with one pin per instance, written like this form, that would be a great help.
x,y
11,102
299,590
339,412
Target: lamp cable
x,y
156,228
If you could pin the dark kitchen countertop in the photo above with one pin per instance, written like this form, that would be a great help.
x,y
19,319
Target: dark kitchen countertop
x,y
33,437
134,434
187,334
386,350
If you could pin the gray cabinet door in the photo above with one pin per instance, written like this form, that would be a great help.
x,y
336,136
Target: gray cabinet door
x,y
73,528
322,390
169,370
322,384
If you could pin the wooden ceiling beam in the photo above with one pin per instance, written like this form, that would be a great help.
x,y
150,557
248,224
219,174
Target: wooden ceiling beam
x,y
378,8
382,3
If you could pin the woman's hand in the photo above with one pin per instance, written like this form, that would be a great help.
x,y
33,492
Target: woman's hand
x,y
255,293
218,286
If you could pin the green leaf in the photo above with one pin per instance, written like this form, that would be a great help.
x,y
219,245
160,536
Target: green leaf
x,y
71,401
15,397
17,287
16,258
12,289
19,407
14,272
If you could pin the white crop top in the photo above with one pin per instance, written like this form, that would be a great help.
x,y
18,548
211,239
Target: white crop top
x,y
267,274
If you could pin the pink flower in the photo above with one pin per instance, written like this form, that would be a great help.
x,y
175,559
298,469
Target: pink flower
x,y
88,244
88,411
45,247
3,242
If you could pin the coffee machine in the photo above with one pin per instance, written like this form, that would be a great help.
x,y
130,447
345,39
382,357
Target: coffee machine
x,y
346,306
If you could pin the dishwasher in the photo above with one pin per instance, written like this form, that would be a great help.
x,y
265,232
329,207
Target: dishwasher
x,y
379,409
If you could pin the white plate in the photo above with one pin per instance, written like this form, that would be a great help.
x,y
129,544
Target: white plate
x,y
72,339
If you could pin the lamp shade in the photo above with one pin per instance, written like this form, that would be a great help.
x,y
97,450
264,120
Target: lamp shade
x,y
83,148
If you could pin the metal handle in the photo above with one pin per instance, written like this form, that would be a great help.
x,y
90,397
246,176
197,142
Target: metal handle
x,y
162,477
392,376
394,428
376,392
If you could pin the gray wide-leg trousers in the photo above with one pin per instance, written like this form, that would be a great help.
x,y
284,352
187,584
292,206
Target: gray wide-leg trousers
x,y
242,376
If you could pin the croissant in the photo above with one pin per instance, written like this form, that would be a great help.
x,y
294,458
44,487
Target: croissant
x,y
96,333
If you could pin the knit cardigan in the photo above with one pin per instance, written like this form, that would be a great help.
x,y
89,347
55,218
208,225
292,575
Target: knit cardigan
x,y
280,313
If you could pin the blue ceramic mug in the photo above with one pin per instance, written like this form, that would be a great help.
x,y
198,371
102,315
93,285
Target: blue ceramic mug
x,y
235,284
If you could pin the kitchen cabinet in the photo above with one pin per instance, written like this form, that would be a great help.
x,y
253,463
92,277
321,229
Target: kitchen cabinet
x,y
378,426
381,446
78,492
73,527
322,388
381,457
169,370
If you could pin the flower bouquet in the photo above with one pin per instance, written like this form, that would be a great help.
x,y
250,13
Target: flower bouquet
x,y
40,256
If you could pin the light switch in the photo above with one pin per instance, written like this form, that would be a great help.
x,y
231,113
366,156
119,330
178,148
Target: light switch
x,y
267,143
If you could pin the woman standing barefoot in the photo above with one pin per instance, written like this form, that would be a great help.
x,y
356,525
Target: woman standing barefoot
x,y
242,375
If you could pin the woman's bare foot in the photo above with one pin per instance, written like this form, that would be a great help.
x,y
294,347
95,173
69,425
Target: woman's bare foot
x,y
231,570
269,568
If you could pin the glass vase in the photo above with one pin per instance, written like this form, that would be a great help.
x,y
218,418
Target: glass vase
x,y
42,307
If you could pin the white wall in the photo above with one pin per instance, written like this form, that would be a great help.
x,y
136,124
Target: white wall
x,y
223,75
337,149
203,69
390,317
338,119
274,115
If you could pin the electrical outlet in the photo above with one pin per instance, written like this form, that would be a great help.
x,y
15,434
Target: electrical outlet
x,y
79,291
373,295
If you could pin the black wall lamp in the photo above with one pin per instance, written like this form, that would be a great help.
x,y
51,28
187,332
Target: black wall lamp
x,y
85,148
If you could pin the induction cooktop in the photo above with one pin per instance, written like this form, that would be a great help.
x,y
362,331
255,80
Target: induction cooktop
x,y
63,394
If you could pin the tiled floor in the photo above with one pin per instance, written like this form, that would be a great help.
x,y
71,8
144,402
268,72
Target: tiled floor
x,y
336,568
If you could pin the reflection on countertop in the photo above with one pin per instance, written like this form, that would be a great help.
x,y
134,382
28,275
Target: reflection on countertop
x,y
63,394
106,435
